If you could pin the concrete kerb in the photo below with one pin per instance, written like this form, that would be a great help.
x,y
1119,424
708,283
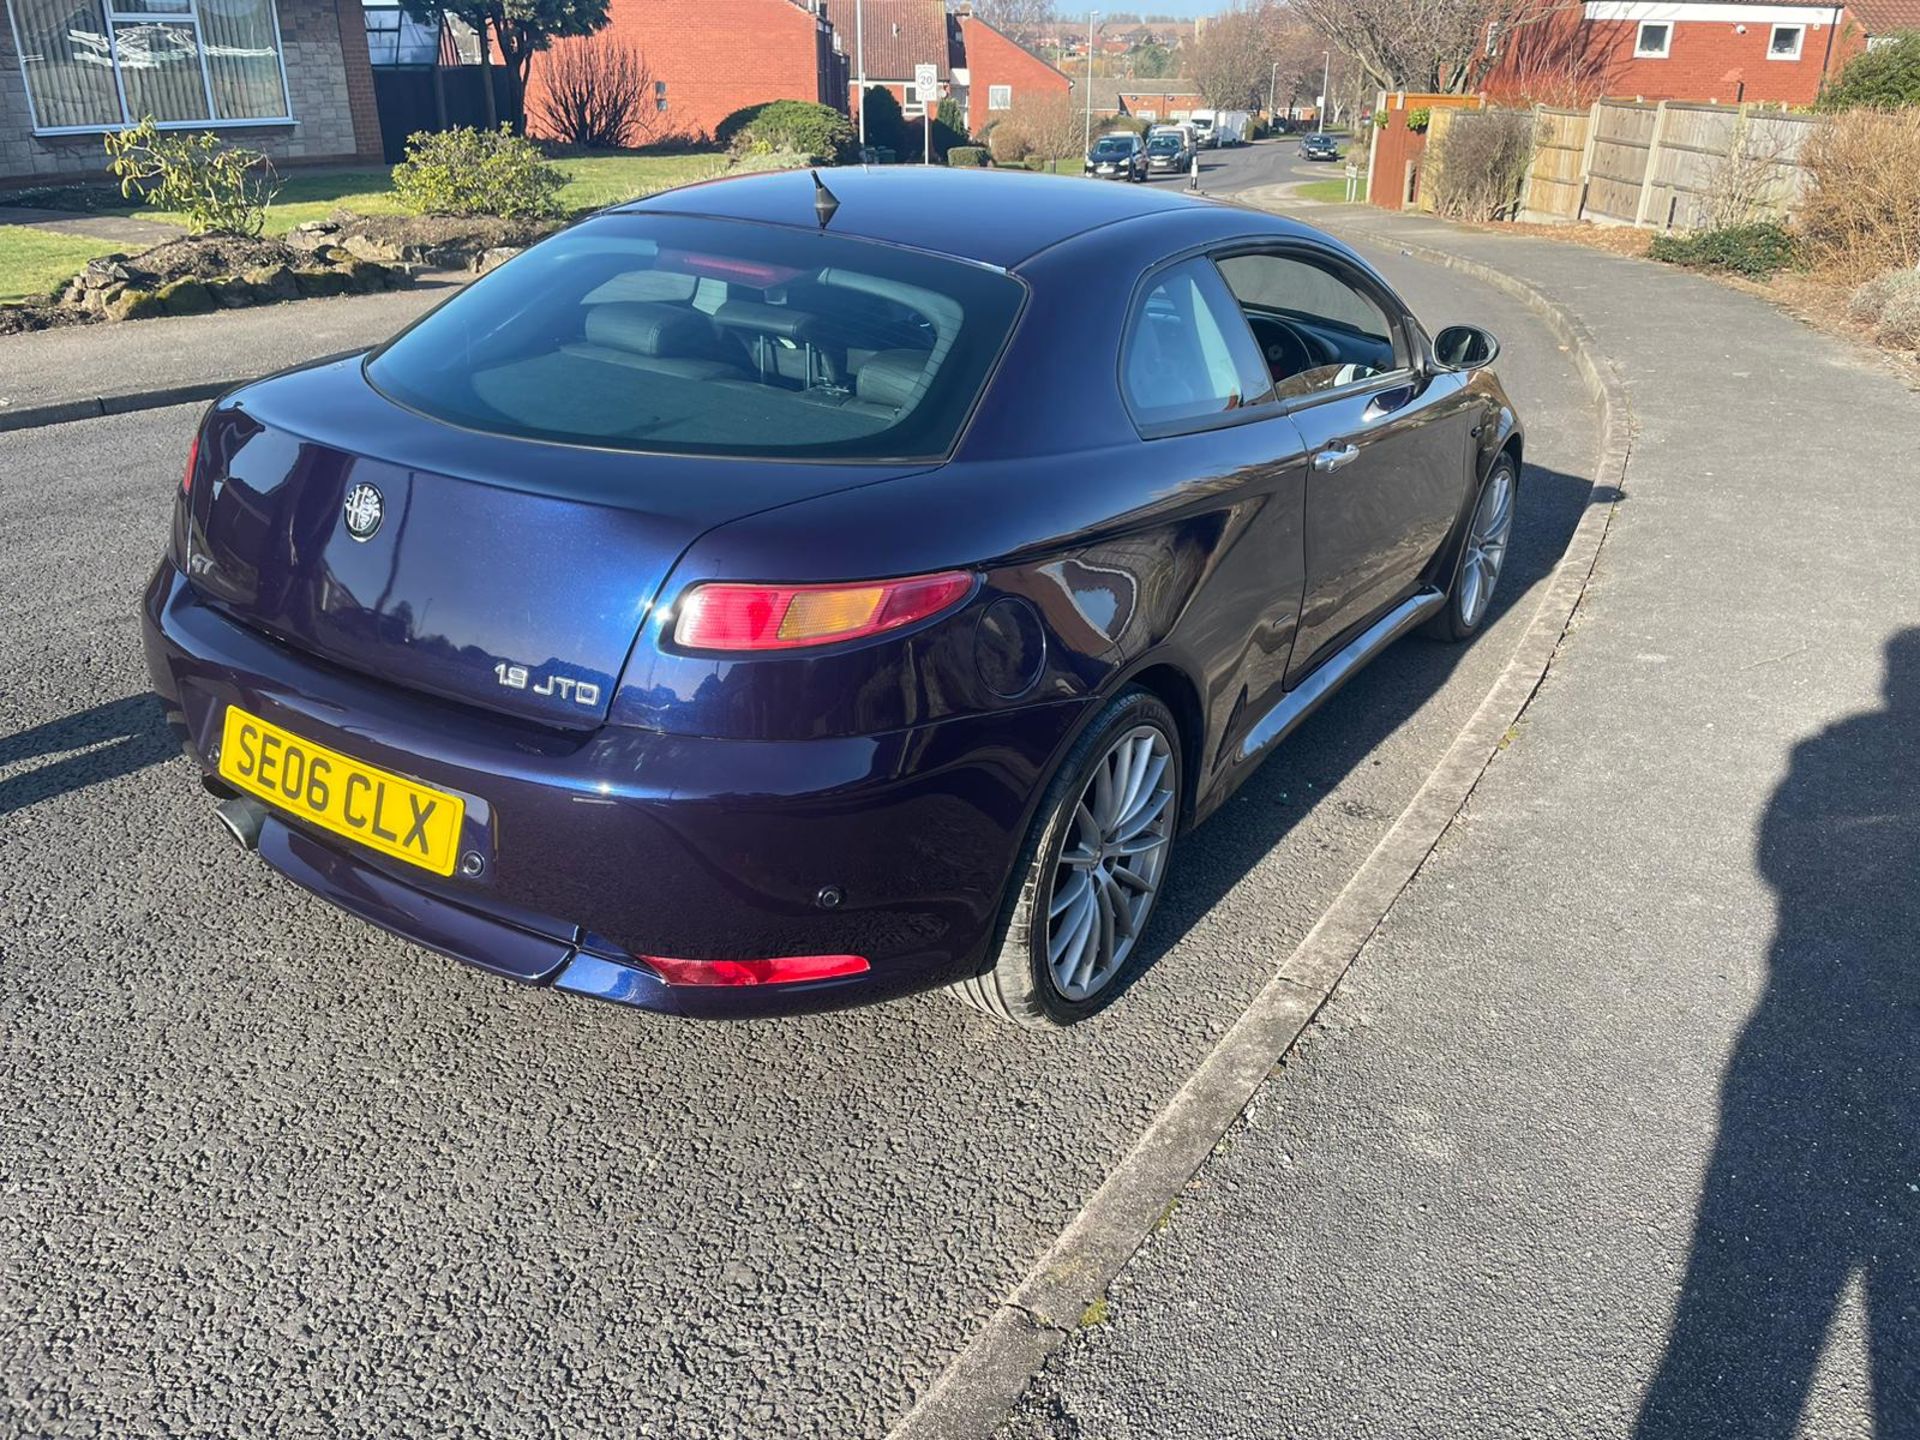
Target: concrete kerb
x,y
979,1387
62,412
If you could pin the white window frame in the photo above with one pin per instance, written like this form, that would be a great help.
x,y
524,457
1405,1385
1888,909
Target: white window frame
x,y
191,15
1642,51
999,97
1799,42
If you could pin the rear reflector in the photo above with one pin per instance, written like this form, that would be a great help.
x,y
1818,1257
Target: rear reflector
x,y
782,971
785,617
193,461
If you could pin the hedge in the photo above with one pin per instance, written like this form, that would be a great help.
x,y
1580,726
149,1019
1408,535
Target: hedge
x,y
967,155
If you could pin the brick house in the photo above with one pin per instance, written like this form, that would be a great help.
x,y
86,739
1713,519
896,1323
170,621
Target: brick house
x,y
998,73
1727,51
287,77
714,58
1147,99
896,35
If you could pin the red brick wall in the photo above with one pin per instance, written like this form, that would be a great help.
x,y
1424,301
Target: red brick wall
x,y
721,55
1706,60
359,73
993,59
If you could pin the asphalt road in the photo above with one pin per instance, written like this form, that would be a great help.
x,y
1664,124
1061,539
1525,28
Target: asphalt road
x,y
268,1171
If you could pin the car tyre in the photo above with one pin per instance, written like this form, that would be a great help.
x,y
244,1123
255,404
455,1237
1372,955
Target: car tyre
x,y
1481,554
1091,872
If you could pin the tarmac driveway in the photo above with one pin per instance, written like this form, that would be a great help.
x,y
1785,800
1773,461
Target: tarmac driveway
x,y
269,1171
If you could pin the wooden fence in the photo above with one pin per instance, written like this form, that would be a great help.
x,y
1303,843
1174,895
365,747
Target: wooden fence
x,y
1675,165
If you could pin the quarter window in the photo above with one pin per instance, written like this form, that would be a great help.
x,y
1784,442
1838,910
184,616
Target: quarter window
x,y
1315,330
184,62
1187,355
999,97
1785,42
1654,40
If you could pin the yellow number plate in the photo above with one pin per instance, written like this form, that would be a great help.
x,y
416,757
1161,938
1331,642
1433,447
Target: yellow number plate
x,y
382,811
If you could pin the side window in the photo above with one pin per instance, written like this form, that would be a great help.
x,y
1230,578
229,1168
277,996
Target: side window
x,y
1187,356
1315,330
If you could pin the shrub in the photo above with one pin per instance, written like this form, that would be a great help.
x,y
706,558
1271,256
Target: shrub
x,y
222,189
1872,300
1882,79
1860,212
1113,124
597,94
951,117
1480,163
819,132
1757,250
967,155
764,160
1008,141
477,172
1419,118
886,125
1899,326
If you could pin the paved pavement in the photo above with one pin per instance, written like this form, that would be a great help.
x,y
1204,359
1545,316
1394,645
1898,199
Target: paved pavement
x,y
267,1171
121,229
1615,1127
107,362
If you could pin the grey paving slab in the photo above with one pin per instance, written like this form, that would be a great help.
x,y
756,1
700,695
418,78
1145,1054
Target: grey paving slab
x,y
78,365
269,1172
1615,1128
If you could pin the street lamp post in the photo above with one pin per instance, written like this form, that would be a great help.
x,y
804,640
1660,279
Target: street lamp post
x,y
1273,82
1086,142
1326,70
860,59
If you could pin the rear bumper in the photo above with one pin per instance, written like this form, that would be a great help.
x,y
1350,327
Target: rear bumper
x,y
597,848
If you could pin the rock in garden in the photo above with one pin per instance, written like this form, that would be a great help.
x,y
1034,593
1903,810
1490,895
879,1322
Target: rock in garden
x,y
273,282
185,297
497,256
133,303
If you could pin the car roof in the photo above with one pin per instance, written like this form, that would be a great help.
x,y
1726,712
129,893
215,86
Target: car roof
x,y
994,217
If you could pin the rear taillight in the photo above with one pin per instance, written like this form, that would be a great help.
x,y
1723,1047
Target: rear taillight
x,y
193,463
783,970
785,617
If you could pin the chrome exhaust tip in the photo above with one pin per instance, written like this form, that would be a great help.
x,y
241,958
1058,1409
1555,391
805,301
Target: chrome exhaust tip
x,y
243,816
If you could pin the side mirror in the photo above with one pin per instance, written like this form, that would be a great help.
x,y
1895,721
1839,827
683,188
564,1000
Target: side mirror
x,y
1464,347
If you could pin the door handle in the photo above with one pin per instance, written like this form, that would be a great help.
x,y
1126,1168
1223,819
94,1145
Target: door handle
x,y
1334,459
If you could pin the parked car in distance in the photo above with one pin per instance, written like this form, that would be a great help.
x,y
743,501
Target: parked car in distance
x,y
755,598
1168,153
1119,156
1319,147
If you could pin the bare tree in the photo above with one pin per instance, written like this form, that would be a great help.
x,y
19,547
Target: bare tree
x,y
1231,62
596,93
1053,126
1025,22
1425,46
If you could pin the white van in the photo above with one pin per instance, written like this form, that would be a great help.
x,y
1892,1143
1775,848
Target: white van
x,y
1202,123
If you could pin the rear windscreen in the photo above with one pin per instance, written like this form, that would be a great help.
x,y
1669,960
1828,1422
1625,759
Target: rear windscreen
x,y
695,336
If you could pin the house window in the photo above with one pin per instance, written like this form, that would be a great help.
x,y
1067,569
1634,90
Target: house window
x,y
1785,42
1654,40
999,97
185,62
659,94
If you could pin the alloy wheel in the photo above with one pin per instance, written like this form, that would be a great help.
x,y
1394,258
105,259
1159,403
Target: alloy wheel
x,y
1111,863
1486,545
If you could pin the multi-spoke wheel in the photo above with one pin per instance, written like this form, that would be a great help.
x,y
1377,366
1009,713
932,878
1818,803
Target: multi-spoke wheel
x,y
1483,551
1092,870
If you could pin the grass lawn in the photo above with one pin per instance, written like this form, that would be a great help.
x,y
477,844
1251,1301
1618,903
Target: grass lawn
x,y
33,261
1331,192
597,180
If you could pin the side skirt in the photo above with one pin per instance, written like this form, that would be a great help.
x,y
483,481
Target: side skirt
x,y
1306,697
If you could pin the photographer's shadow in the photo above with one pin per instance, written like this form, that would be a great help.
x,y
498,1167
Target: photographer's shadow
x,y
1815,1177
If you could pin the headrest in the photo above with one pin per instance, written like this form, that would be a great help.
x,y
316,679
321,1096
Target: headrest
x,y
891,377
644,328
783,321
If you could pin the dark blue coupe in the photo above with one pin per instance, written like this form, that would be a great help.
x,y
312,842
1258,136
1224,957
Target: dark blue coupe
x,y
764,597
